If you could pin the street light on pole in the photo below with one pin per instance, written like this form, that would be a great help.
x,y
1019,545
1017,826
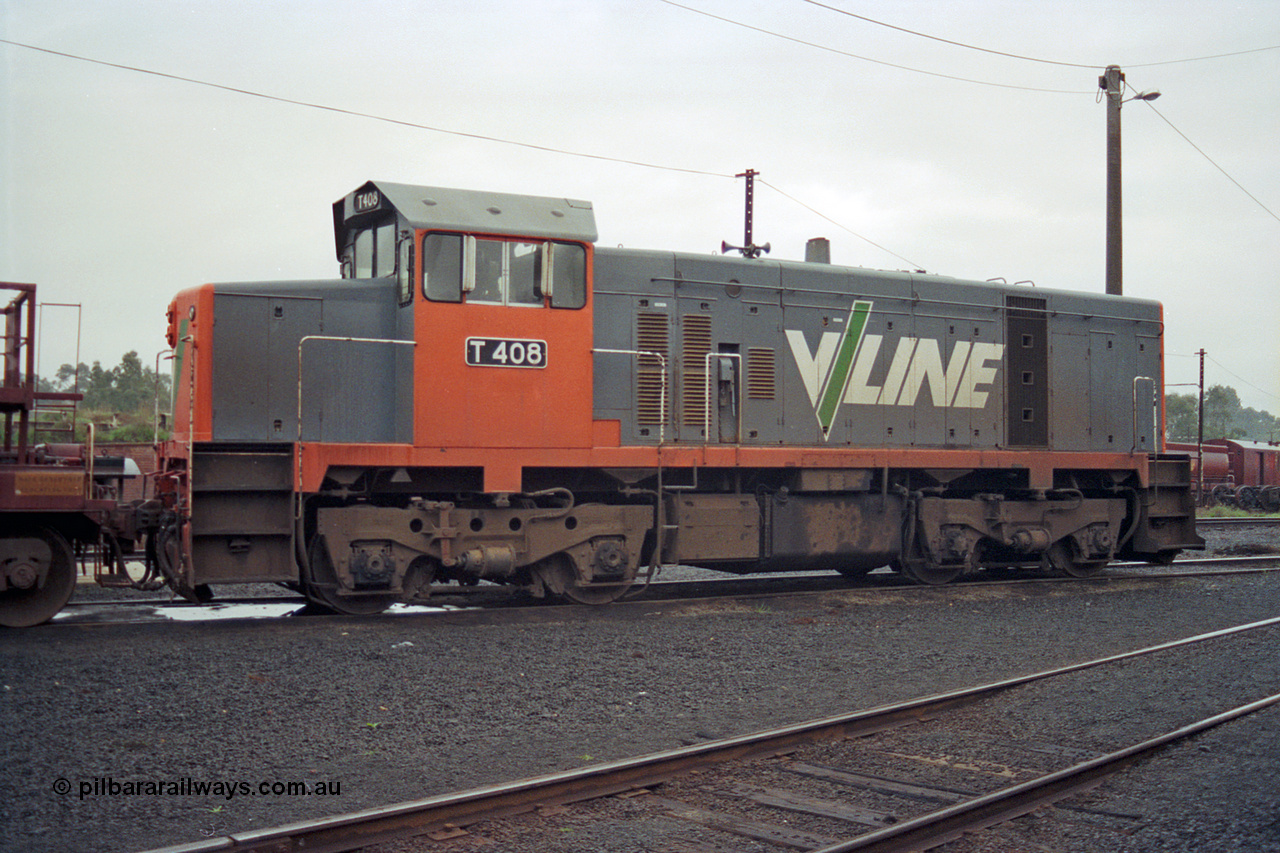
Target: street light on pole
x,y
1112,82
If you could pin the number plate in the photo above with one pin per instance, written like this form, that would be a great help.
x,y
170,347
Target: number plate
x,y
506,352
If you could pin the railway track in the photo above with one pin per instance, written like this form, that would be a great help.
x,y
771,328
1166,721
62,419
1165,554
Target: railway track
x,y
117,611
707,585
763,791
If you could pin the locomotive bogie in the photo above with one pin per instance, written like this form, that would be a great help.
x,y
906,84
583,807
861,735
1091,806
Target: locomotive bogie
x,y
399,552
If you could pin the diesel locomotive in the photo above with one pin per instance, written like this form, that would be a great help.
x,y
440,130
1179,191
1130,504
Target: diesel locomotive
x,y
486,394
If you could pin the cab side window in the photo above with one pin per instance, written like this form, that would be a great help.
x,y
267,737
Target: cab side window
x,y
384,254
364,254
442,267
373,252
494,271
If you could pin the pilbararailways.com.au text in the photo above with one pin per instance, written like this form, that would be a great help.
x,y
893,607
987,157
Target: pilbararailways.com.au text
x,y
187,786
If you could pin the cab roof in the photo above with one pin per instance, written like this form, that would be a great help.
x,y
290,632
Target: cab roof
x,y
464,210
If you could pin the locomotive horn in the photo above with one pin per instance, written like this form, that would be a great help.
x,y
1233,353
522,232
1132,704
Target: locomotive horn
x,y
748,251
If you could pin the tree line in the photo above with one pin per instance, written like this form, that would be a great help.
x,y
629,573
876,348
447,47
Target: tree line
x,y
1224,417
123,395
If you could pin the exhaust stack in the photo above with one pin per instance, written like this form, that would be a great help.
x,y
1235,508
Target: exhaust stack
x,y
817,251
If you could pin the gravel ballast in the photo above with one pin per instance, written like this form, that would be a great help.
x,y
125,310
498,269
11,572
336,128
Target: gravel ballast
x,y
396,708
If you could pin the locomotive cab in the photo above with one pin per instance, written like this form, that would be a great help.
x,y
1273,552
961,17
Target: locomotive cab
x,y
498,290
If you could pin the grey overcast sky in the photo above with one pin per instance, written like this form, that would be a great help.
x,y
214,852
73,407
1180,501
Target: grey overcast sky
x,y
119,188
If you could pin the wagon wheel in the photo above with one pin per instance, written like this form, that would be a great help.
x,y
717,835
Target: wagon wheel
x,y
1247,497
321,589
1062,558
560,576
1271,498
30,599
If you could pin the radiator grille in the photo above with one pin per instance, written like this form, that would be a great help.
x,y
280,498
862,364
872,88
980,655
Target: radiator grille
x,y
696,344
761,374
651,336
1025,303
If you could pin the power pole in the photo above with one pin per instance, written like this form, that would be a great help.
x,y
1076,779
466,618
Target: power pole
x,y
1112,82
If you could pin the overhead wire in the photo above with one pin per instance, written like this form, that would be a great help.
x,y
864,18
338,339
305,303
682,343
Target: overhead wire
x,y
981,82
943,40
1225,369
1020,56
839,52
1269,211
343,111
685,170
817,212
419,126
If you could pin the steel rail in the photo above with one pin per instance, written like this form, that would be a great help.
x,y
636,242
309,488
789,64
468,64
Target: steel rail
x,y
1266,521
950,823
667,593
372,826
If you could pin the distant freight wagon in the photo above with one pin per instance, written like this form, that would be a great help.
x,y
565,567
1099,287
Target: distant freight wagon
x,y
1244,474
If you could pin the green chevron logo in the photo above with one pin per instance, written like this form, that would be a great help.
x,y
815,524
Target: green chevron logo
x,y
837,379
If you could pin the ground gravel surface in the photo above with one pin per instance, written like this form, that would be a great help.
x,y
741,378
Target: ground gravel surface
x,y
392,709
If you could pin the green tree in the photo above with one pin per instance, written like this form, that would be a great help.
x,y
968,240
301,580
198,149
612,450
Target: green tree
x,y
132,385
1224,417
1182,421
125,393
1221,406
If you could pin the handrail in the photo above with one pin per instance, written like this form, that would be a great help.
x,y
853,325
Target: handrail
x,y
155,437
339,339
664,414
90,434
1134,435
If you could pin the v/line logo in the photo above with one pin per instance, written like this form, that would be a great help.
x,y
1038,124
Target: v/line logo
x,y
841,369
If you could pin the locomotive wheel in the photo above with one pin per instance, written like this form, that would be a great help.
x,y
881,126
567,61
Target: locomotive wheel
x,y
1062,559
916,567
322,588
919,572
560,576
27,602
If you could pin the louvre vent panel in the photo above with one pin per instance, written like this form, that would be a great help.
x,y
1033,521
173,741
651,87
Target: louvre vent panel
x,y
651,336
696,345
1026,303
761,374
